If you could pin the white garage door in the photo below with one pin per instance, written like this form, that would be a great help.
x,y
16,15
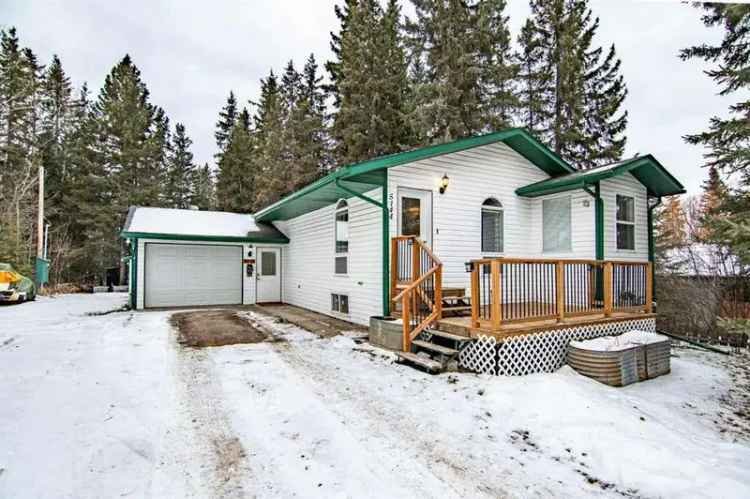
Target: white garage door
x,y
192,274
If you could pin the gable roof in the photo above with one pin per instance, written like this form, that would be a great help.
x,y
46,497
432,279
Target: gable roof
x,y
184,225
646,169
365,176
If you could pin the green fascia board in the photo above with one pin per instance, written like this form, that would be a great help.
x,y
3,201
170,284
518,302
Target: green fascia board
x,y
370,173
191,237
646,169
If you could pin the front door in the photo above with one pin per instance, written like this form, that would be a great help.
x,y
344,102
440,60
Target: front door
x,y
415,214
268,279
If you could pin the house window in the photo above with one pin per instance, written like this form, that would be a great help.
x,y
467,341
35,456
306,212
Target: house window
x,y
492,226
556,225
339,303
625,222
341,263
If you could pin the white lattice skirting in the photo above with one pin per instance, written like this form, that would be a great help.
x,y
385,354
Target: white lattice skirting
x,y
538,352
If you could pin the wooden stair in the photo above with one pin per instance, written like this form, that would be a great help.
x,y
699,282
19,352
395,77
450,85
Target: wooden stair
x,y
434,355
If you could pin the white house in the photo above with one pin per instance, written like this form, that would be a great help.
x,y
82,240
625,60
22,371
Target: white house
x,y
328,247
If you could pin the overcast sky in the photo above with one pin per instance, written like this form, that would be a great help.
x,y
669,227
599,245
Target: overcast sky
x,y
192,53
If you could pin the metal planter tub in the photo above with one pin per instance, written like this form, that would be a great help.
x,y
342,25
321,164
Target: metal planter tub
x,y
387,332
621,360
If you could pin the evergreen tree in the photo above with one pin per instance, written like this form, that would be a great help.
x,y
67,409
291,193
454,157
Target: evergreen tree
x,y
671,234
583,93
333,67
370,83
236,179
180,170
227,118
498,68
534,82
727,140
450,100
203,195
270,149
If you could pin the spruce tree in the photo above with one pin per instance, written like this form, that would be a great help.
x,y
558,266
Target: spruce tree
x,y
227,118
203,195
534,83
236,178
180,170
727,139
370,83
270,149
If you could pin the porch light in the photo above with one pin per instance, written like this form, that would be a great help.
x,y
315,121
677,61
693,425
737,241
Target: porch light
x,y
469,266
443,184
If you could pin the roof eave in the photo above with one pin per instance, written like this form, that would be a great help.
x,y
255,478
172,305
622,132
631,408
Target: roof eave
x,y
281,239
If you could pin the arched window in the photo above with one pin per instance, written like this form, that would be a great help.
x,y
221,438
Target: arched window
x,y
341,263
492,226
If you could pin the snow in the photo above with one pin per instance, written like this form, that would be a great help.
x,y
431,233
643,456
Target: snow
x,y
110,406
191,222
624,341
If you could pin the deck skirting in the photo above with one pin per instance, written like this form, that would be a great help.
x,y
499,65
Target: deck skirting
x,y
541,351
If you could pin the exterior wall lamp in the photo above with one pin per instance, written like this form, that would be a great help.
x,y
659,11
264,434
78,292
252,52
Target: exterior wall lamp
x,y
443,184
469,266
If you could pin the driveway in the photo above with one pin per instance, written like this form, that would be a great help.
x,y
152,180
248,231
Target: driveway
x,y
111,406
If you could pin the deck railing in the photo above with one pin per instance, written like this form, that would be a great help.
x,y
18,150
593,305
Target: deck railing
x,y
416,286
510,290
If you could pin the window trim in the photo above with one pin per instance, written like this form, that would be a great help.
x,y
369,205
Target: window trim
x,y
341,206
625,222
570,227
492,208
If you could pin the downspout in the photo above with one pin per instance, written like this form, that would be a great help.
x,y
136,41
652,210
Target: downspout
x,y
652,244
383,205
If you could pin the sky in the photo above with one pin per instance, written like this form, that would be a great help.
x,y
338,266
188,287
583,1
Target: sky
x,y
191,53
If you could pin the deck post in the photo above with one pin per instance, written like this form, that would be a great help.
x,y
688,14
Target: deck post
x,y
439,292
394,267
496,306
649,287
607,289
475,299
560,289
406,318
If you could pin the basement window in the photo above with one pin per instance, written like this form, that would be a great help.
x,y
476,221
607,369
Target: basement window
x,y
341,259
340,303
625,222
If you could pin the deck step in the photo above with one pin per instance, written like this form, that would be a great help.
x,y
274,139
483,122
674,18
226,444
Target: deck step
x,y
449,336
462,297
435,347
426,363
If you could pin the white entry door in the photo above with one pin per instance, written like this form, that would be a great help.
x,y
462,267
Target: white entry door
x,y
415,213
269,275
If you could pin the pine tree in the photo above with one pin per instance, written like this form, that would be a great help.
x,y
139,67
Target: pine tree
x,y
236,178
334,67
270,149
727,140
180,170
534,83
370,83
227,118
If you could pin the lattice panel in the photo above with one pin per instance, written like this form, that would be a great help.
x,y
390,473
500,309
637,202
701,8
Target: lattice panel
x,y
545,352
480,355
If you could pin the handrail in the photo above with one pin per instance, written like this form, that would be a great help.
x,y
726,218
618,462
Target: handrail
x,y
505,290
416,266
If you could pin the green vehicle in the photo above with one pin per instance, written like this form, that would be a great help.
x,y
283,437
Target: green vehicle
x,y
14,287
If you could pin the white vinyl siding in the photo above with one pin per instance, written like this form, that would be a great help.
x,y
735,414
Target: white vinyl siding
x,y
492,171
308,277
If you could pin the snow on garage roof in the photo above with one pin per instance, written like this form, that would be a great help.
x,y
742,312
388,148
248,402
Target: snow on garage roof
x,y
168,223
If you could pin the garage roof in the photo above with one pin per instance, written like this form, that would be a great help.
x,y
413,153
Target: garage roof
x,y
195,225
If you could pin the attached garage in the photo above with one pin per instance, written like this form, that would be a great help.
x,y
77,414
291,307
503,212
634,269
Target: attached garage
x,y
184,258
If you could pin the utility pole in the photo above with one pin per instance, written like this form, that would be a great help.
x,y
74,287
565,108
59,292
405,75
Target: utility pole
x,y
40,220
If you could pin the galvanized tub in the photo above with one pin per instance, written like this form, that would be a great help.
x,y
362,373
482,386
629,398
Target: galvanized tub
x,y
635,356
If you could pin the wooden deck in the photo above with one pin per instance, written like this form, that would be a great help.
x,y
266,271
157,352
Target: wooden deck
x,y
462,325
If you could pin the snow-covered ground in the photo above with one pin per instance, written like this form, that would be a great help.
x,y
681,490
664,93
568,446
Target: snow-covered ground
x,y
110,406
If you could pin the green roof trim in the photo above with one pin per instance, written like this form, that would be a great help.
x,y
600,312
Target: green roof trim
x,y
646,169
365,176
279,239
